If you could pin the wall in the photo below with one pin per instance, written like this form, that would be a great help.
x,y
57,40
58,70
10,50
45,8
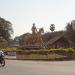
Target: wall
x,y
45,55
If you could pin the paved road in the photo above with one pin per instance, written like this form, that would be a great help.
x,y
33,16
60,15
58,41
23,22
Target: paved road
x,y
16,67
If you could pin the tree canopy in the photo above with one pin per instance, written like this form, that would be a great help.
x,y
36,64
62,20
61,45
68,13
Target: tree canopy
x,y
70,32
52,27
5,29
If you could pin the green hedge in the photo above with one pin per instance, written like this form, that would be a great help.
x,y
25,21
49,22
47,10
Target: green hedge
x,y
37,51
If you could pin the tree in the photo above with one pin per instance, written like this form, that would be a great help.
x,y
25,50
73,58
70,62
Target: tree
x,y
52,27
5,32
70,32
5,29
69,27
3,42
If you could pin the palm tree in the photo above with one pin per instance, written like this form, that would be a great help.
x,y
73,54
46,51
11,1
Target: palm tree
x,y
52,27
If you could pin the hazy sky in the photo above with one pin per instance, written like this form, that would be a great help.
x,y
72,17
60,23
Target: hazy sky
x,y
23,13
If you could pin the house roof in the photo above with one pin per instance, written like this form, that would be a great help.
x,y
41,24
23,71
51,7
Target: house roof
x,y
53,40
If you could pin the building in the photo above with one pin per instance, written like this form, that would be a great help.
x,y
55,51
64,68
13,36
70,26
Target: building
x,y
60,42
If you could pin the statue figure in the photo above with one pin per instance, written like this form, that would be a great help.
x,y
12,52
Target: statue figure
x,y
34,30
37,36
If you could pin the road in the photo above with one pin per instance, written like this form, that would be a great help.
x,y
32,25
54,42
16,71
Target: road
x,y
17,67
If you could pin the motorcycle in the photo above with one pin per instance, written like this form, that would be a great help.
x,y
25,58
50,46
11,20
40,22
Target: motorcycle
x,y
2,60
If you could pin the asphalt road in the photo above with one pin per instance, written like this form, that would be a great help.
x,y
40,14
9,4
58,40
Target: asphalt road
x,y
16,67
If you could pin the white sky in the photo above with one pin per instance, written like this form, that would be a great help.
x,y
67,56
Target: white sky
x,y
23,13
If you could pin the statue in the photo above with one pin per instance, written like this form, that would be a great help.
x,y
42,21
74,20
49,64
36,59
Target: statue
x,y
37,35
34,30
